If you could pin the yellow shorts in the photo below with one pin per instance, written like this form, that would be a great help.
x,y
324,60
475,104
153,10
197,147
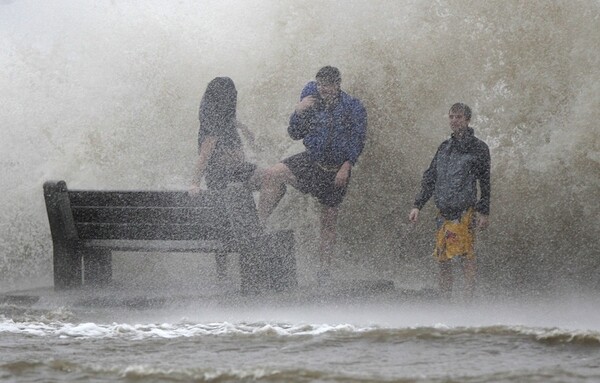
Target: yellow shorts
x,y
455,237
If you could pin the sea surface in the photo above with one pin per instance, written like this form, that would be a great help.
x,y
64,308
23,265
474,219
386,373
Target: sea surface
x,y
276,339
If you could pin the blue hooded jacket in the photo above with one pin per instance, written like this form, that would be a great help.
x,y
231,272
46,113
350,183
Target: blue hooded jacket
x,y
334,136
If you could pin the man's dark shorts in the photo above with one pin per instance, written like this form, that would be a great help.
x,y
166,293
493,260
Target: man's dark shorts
x,y
315,180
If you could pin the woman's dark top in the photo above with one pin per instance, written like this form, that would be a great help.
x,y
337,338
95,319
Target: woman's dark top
x,y
218,119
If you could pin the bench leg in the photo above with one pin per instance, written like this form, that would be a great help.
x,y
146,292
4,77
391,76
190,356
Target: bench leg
x,y
67,266
251,275
97,266
271,265
221,262
281,260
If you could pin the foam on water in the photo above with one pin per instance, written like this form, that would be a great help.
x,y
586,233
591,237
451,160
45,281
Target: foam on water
x,y
268,330
570,319
168,331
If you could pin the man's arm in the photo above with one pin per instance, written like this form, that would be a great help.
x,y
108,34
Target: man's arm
x,y
427,188
483,175
359,132
357,143
300,120
427,183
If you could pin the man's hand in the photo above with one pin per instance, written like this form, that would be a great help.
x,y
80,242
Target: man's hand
x,y
306,103
342,176
413,216
482,221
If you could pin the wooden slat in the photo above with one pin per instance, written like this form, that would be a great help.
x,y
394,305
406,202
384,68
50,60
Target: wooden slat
x,y
208,246
150,215
151,232
142,198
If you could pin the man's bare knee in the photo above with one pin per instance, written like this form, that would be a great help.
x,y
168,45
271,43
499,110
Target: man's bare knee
x,y
279,173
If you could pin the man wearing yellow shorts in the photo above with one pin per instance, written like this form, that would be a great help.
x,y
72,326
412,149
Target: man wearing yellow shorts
x,y
460,164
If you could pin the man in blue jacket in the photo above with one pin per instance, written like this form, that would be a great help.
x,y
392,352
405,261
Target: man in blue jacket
x,y
332,125
459,165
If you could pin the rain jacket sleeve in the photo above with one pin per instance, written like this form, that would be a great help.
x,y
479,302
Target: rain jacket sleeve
x,y
359,132
483,175
427,183
300,123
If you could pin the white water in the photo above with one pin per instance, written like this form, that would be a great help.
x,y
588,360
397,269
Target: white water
x,y
570,317
105,94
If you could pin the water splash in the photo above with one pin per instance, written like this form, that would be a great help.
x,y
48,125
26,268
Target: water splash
x,y
105,95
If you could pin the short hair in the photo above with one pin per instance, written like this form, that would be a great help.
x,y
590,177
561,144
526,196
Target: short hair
x,y
459,107
329,75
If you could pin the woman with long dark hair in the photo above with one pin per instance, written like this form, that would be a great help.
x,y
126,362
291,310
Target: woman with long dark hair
x,y
221,157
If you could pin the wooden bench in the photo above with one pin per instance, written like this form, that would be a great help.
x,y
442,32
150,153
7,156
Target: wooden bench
x,y
87,225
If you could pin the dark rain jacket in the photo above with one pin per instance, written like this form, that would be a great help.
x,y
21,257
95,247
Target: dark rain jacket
x,y
331,137
453,174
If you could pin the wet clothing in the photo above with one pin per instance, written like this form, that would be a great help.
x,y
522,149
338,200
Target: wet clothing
x,y
218,119
220,179
228,136
452,176
455,237
315,180
217,173
331,136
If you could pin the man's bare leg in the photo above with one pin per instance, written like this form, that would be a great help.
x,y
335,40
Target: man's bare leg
x,y
469,267
445,279
328,236
273,189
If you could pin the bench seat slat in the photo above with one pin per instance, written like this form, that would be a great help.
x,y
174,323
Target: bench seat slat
x,y
141,198
150,232
150,215
159,246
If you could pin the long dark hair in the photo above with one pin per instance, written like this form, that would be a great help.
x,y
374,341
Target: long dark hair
x,y
218,103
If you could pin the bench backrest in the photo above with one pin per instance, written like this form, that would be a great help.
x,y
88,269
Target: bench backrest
x,y
227,215
138,215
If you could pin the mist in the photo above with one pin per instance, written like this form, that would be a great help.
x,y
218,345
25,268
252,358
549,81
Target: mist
x,y
105,95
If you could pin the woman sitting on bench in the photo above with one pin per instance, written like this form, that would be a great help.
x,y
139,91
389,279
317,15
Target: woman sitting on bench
x,y
220,153
221,159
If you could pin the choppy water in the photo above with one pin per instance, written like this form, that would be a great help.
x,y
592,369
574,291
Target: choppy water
x,y
361,342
